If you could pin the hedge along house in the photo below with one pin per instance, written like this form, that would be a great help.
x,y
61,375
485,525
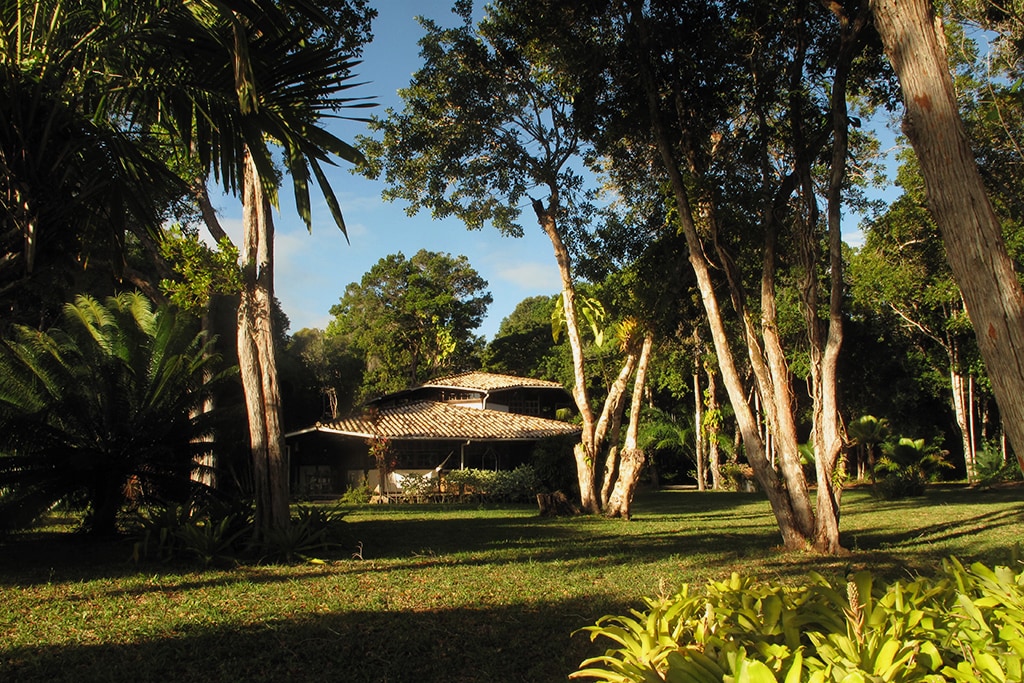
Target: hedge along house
x,y
471,420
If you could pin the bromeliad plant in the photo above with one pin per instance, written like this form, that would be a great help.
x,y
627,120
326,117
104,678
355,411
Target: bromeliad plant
x,y
966,626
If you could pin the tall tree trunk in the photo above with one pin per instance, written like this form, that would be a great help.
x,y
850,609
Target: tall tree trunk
x,y
256,358
713,432
620,503
914,41
961,406
586,451
793,535
828,433
609,426
698,423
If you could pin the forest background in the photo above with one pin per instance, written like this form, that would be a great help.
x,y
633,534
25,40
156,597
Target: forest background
x,y
599,135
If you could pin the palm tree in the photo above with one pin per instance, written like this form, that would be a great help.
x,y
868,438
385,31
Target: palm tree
x,y
74,176
868,432
255,82
103,402
216,87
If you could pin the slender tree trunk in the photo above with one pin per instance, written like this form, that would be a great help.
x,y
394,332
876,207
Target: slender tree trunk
x,y
609,426
620,504
972,441
256,359
793,535
711,436
914,41
698,423
958,384
585,452
829,435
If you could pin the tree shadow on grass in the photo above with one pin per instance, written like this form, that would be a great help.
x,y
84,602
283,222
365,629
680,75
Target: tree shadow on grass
x,y
463,645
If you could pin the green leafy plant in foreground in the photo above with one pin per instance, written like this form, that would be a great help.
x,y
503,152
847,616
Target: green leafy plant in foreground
x,y
967,625
308,532
212,533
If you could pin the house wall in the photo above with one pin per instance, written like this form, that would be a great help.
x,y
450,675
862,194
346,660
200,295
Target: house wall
x,y
328,464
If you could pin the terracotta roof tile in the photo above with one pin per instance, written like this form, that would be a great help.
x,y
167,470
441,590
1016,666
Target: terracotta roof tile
x,y
486,381
431,420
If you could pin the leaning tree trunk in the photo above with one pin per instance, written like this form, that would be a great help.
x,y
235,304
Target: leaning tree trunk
x,y
256,359
594,431
793,535
609,426
914,41
620,503
585,452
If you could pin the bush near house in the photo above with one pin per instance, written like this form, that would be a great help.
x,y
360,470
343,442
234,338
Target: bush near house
x,y
967,625
520,485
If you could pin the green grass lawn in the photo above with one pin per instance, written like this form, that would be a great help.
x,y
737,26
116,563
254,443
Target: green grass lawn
x,y
440,593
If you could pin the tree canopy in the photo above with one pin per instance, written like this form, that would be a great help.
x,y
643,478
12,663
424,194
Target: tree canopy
x,y
413,318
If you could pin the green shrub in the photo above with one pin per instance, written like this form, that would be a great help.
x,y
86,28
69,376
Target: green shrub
x,y
967,626
416,485
213,533
906,467
992,468
309,531
519,485
356,495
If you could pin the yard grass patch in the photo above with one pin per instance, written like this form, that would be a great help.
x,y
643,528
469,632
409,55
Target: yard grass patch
x,y
441,593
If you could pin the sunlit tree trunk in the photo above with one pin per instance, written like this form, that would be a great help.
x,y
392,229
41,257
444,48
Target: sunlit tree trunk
x,y
609,425
698,422
961,409
915,44
713,431
594,430
256,359
793,535
620,503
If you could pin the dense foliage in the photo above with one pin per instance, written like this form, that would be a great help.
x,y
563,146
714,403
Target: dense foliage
x,y
102,411
412,319
967,625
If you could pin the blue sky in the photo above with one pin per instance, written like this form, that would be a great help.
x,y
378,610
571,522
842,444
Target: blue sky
x,y
313,269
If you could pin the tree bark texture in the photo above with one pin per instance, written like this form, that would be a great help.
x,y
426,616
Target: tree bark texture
x,y
793,536
594,431
256,359
620,503
914,42
585,452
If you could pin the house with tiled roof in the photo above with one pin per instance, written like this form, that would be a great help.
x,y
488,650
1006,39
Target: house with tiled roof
x,y
471,420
